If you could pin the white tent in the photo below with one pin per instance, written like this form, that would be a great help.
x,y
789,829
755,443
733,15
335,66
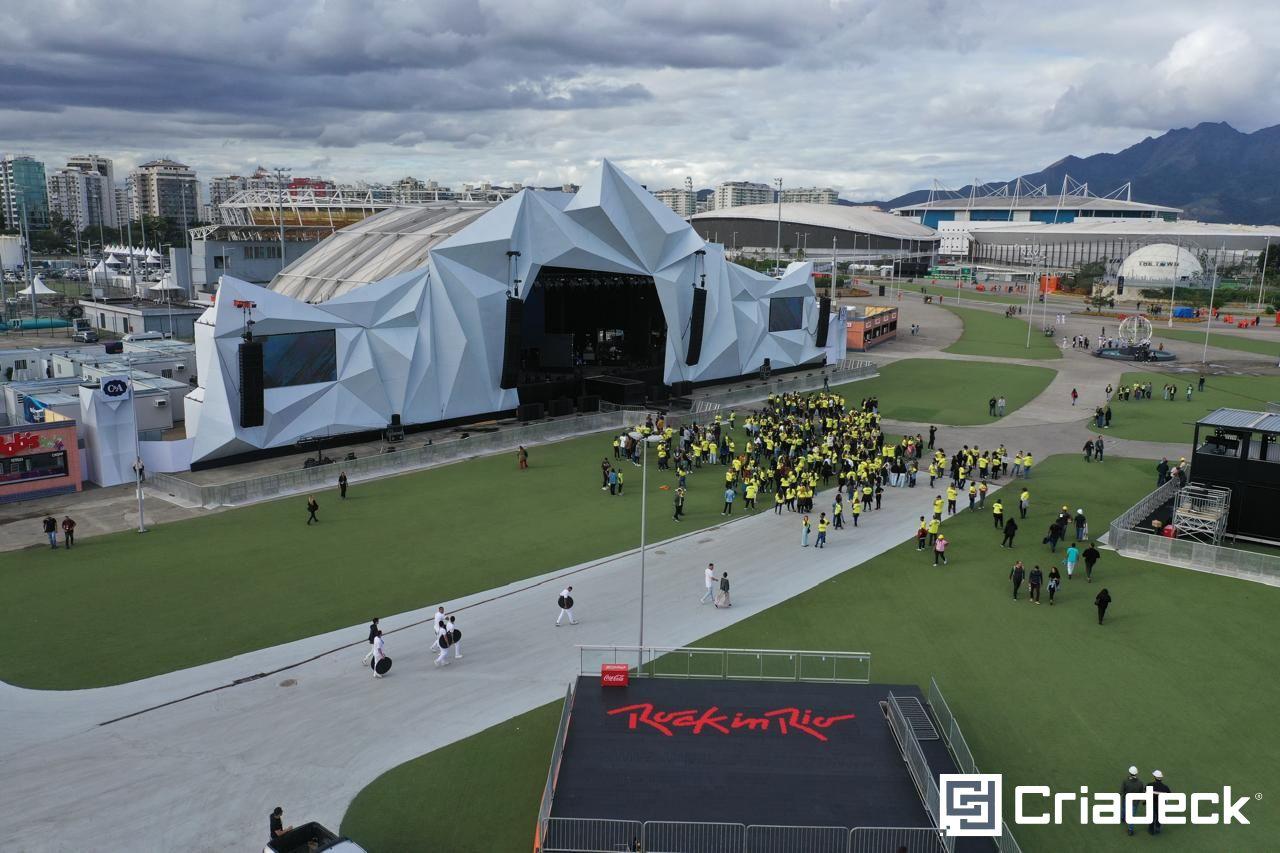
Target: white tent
x,y
38,287
166,287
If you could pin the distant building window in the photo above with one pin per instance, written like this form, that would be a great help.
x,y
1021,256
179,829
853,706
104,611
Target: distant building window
x,y
261,253
220,262
166,373
19,364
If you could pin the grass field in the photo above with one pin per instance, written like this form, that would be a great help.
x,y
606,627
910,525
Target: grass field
x,y
245,579
1240,343
1180,678
991,333
1158,419
955,393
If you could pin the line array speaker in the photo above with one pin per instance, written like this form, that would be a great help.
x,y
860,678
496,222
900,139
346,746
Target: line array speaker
x,y
589,403
696,322
511,345
824,320
529,411
251,394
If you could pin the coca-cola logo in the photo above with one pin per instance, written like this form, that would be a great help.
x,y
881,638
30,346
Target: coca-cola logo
x,y
782,721
12,445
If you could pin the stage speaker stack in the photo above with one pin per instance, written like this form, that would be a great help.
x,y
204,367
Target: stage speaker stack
x,y
696,322
589,403
561,406
880,290
529,412
252,408
824,321
511,345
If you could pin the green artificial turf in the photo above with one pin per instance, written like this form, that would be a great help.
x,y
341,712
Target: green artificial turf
x,y
494,781
1158,419
232,582
939,391
991,333
1180,678
1240,343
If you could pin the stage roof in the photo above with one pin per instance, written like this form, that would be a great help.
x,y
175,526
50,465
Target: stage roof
x,y
1242,419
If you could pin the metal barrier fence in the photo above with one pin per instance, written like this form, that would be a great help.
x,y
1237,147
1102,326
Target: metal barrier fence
x,y
917,765
590,835
848,370
663,836
797,839
553,770
949,728
746,664
404,458
1186,553
887,839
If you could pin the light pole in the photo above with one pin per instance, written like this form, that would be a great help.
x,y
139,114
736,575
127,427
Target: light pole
x,y
734,247
1262,284
645,441
281,172
1208,321
777,261
1177,256
1031,255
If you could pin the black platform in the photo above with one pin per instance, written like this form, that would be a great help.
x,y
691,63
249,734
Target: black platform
x,y
775,770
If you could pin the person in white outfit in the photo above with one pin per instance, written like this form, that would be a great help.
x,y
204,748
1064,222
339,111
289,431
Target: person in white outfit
x,y
709,578
566,606
442,659
437,624
373,634
379,652
456,636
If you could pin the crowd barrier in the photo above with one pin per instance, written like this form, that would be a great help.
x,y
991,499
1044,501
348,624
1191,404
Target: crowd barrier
x,y
744,664
602,835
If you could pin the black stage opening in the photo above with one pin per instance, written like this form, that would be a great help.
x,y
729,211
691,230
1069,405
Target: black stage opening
x,y
579,324
780,753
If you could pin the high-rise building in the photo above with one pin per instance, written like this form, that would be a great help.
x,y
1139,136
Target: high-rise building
x,y
22,188
165,188
682,201
810,195
739,193
124,210
84,192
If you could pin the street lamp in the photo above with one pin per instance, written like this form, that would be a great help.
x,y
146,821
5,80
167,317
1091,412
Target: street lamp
x,y
1031,255
645,441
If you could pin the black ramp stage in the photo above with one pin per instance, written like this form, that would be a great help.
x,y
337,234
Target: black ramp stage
x,y
749,752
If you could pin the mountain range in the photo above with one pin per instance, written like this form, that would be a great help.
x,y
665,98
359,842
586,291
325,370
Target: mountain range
x,y
1212,171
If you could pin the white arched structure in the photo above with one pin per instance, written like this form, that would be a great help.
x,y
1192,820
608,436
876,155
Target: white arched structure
x,y
1160,264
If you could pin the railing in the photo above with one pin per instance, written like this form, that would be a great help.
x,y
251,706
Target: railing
x,y
405,457
917,765
590,835
885,839
797,839
553,770
1186,553
949,728
733,664
849,370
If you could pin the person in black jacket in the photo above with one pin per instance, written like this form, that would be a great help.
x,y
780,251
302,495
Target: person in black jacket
x,y
373,632
1010,530
1157,787
1033,584
1091,556
1016,574
51,530
1102,602
342,485
312,507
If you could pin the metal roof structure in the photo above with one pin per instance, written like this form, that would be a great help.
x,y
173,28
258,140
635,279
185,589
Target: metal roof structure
x,y
862,219
396,240
1036,202
1242,419
1207,234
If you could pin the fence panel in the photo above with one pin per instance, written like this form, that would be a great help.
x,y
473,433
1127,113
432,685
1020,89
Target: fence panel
x,y
590,835
753,664
661,836
553,769
1006,842
911,839
797,839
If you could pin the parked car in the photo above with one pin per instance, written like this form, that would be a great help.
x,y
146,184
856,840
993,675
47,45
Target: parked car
x,y
309,837
87,337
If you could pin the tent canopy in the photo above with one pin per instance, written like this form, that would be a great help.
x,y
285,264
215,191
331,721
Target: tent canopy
x,y
38,287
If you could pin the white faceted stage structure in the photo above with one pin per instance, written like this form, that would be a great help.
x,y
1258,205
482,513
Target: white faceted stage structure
x,y
427,345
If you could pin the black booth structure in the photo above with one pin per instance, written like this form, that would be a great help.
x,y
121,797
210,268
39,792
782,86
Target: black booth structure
x,y
1236,449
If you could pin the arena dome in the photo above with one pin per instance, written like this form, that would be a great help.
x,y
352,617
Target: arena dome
x,y
1160,263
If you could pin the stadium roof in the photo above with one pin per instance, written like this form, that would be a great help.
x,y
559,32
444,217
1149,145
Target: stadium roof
x,y
862,219
394,241
1037,202
1206,235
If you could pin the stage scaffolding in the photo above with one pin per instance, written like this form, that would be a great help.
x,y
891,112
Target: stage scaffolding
x,y
1200,513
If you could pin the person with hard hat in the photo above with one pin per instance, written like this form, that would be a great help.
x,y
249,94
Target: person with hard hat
x,y
1157,787
1131,786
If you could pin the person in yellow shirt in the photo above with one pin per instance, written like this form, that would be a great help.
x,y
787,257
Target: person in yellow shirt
x,y
1024,503
922,534
855,509
982,494
934,526
997,514
822,530
973,495
1026,466
778,502
952,494
1017,464
937,507
752,489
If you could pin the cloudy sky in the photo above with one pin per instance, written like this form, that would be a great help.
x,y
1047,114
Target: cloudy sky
x,y
874,98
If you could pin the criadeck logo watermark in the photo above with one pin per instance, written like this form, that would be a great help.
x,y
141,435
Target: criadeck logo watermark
x,y
973,804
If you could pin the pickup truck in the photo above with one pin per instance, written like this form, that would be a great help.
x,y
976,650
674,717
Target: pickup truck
x,y
311,837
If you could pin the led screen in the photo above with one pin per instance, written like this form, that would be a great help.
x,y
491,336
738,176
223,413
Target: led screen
x,y
299,359
786,313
